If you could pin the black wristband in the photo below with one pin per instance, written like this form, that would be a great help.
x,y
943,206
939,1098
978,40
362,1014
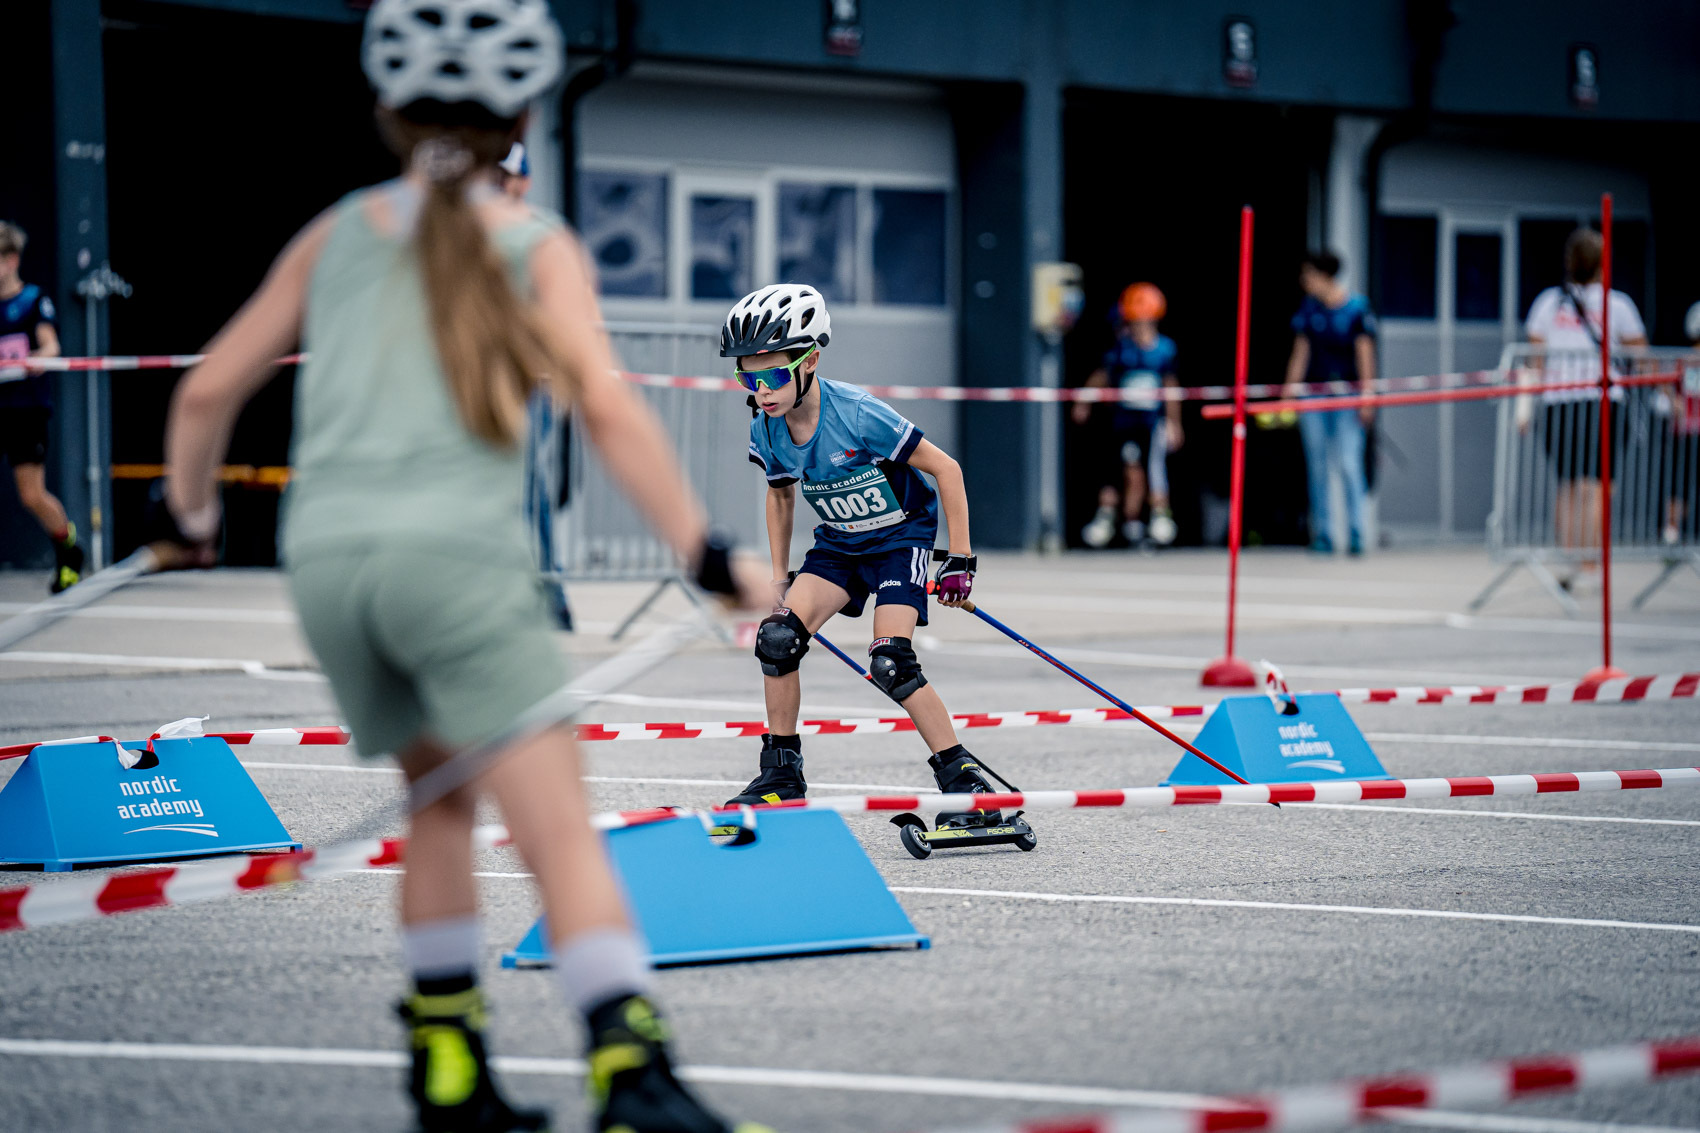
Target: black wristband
x,y
714,564
159,525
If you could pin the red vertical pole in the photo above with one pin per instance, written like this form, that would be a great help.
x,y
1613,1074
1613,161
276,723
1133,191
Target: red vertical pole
x,y
1606,671
1228,671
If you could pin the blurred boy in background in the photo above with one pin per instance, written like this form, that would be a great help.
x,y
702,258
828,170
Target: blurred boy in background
x,y
28,329
1141,362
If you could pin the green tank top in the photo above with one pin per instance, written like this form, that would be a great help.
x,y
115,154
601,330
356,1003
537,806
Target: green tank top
x,y
380,455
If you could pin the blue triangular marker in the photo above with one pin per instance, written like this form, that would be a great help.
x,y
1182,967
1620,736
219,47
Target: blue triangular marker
x,y
72,804
804,885
1246,733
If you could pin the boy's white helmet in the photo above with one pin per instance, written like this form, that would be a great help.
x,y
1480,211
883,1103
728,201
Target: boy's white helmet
x,y
500,54
777,317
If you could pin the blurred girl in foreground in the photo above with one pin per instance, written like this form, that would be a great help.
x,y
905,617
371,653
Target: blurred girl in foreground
x,y
433,307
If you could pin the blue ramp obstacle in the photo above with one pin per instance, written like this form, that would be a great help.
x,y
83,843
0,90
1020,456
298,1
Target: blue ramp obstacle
x,y
73,804
1250,735
803,885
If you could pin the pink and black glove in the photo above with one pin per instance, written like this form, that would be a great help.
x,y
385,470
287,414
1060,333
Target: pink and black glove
x,y
955,579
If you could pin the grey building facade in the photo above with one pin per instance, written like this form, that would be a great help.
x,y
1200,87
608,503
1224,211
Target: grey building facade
x,y
952,144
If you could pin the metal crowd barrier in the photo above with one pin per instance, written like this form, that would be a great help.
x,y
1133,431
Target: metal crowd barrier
x,y
599,536
1545,516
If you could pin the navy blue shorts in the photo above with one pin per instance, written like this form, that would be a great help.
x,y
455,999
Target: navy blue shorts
x,y
893,577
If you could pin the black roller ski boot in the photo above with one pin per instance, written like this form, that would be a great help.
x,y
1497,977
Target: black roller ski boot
x,y
67,562
631,1082
451,1083
958,773
781,777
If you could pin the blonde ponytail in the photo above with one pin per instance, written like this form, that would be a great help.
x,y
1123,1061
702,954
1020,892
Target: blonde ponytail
x,y
490,342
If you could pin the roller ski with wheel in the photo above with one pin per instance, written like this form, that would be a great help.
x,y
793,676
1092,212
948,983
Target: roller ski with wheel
x,y
955,830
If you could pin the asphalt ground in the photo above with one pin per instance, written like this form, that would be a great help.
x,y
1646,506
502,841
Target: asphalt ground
x,y
272,1010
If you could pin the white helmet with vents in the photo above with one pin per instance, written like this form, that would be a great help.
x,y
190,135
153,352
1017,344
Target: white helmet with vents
x,y
778,317
500,54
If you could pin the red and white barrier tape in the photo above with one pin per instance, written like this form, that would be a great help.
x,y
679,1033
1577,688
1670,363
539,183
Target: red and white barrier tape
x,y
1680,686
32,906
1316,1108
896,393
87,898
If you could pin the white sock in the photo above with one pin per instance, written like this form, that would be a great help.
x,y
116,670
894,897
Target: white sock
x,y
434,950
599,965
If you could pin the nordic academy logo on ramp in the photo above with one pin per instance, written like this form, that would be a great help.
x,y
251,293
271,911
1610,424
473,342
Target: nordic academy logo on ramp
x,y
1301,740
161,806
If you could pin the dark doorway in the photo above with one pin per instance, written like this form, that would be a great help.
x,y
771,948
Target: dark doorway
x,y
1152,191
26,199
226,133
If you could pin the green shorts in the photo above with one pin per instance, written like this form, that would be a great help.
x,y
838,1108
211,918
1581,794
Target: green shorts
x,y
422,643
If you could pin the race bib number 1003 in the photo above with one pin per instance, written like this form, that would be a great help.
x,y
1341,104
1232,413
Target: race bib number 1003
x,y
862,502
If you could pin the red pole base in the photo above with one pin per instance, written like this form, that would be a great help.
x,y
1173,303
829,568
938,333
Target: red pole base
x,y
1229,672
1603,673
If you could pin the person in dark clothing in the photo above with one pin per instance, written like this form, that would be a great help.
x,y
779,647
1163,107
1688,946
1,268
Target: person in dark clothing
x,y
29,329
1333,340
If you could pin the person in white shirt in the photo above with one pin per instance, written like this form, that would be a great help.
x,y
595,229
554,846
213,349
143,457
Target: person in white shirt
x,y
1566,320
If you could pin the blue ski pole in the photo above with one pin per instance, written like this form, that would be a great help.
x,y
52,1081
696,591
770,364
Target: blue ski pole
x,y
845,657
1091,684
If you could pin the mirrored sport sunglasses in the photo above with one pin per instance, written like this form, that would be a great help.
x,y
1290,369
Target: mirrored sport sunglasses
x,y
772,378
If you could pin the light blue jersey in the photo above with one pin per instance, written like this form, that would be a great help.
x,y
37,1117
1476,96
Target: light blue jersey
x,y
853,472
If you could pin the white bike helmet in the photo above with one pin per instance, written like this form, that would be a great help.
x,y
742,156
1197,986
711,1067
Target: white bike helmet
x,y
500,54
777,317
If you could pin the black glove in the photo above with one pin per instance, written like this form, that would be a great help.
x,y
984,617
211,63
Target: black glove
x,y
160,526
714,565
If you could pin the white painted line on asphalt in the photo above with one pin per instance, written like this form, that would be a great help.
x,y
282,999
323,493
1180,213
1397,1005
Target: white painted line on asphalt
x,y
637,700
129,660
1532,741
849,1082
181,664
935,644
1492,813
345,767
1297,907
909,789
643,780
172,614
978,1089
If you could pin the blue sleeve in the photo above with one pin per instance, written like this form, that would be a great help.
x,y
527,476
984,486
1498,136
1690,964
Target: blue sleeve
x,y
1299,319
1366,320
762,457
44,312
885,432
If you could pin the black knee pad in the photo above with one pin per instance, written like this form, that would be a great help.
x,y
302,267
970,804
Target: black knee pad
x,y
781,641
895,668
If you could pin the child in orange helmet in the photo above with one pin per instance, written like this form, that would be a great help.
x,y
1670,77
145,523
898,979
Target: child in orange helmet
x,y
1141,362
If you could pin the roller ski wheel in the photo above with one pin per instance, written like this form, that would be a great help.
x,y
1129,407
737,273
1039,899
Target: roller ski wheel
x,y
631,1083
450,1083
912,832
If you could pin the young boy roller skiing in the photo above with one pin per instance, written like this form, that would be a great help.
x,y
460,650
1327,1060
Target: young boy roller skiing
x,y
859,463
